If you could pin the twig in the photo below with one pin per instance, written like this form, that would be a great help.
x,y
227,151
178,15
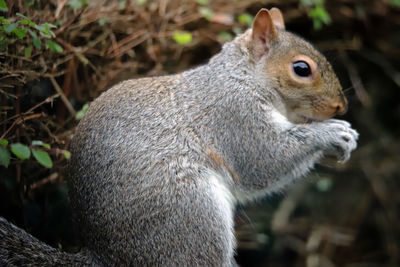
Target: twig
x,y
62,95
8,94
60,7
355,79
126,40
131,45
49,179
78,52
55,138
47,100
384,65
18,167
21,120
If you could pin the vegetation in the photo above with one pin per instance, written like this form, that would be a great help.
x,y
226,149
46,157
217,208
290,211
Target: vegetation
x,y
57,56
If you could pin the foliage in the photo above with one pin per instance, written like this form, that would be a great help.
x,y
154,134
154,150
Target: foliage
x,y
16,30
202,2
246,19
318,13
77,4
3,6
4,153
182,37
395,2
225,36
79,115
38,149
206,12
20,27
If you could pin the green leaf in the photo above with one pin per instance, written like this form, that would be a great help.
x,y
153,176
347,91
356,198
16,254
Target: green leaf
x,y
40,27
206,12
202,2
27,22
5,21
53,46
67,154
320,16
246,19
237,30
47,29
320,13
225,36
37,43
79,115
21,15
75,4
40,143
44,30
306,2
3,142
33,34
3,6
182,37
102,21
395,3
4,157
28,51
10,27
140,2
21,151
3,42
21,33
42,157
50,25
317,24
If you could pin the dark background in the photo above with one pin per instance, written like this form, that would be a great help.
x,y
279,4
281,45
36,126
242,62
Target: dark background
x,y
346,215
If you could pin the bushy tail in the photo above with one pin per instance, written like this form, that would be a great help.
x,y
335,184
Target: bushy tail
x,y
18,248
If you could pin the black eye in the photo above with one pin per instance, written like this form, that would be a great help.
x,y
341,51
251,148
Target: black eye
x,y
301,68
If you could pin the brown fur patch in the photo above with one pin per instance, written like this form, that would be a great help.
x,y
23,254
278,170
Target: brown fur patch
x,y
220,162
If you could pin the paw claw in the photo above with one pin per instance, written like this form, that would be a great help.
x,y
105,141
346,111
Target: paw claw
x,y
338,138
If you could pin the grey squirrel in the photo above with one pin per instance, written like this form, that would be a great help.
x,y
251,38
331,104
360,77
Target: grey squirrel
x,y
158,163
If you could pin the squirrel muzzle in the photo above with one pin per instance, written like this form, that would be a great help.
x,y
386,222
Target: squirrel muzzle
x,y
327,108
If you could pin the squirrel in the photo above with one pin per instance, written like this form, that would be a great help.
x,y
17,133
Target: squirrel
x,y
159,163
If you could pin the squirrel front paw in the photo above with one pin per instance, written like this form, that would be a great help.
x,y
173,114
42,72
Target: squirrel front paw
x,y
337,138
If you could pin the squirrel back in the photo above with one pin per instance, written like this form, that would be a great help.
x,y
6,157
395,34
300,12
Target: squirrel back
x,y
159,163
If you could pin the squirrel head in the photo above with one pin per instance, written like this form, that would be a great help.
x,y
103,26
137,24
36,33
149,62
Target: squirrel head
x,y
295,69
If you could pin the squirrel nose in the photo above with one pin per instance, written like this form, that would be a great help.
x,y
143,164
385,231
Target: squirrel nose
x,y
339,108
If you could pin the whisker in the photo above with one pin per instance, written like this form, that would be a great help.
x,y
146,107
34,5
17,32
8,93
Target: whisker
x,y
346,90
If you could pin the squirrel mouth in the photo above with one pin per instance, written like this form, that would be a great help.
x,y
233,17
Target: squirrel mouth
x,y
300,116
308,120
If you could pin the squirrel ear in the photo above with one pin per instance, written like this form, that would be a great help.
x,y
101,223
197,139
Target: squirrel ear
x,y
277,17
263,33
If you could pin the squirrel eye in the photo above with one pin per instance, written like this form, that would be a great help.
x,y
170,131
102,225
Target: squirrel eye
x,y
302,69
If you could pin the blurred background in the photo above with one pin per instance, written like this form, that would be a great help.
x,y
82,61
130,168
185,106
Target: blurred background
x,y
57,56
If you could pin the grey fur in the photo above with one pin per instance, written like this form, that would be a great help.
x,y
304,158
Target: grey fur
x,y
18,248
159,163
